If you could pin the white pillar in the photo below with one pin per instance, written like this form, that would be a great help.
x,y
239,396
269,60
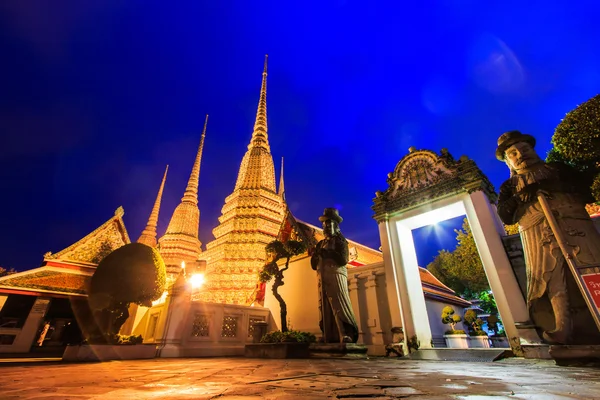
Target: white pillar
x,y
373,308
502,280
353,291
404,272
177,308
28,334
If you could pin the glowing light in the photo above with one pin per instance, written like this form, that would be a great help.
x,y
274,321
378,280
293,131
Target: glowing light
x,y
197,280
160,300
183,265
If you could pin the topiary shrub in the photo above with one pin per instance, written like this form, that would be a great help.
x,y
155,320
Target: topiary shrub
x,y
474,323
134,273
576,141
288,337
450,318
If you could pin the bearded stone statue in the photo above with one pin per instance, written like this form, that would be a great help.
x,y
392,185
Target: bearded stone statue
x,y
555,303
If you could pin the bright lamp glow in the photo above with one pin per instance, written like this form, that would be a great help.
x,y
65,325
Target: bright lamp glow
x,y
434,216
197,280
183,265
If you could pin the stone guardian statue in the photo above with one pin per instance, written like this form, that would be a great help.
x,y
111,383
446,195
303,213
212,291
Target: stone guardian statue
x,y
555,303
329,259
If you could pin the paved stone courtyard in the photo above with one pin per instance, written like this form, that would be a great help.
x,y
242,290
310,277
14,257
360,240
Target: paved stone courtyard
x,y
247,379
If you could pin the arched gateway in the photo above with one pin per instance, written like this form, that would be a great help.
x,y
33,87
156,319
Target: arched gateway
x,y
426,188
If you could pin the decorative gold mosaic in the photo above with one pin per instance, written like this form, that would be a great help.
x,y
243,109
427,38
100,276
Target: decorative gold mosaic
x,y
250,219
98,244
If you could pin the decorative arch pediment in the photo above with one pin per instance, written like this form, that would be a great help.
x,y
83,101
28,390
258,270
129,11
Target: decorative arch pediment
x,y
423,176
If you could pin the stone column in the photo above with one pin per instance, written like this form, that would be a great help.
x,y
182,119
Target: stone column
x,y
406,289
353,291
373,308
504,285
28,335
177,306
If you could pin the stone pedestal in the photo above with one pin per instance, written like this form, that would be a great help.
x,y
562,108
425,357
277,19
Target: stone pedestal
x,y
276,350
337,350
575,355
536,351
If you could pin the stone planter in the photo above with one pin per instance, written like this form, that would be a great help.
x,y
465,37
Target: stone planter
x,y
479,342
277,350
501,342
106,352
457,341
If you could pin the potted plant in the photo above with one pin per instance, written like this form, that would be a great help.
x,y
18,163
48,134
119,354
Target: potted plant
x,y
498,336
134,273
455,339
478,337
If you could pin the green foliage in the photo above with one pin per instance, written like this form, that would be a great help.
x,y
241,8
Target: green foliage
x,y
511,229
488,303
134,273
577,137
576,142
275,252
474,323
278,251
455,332
461,270
288,337
114,339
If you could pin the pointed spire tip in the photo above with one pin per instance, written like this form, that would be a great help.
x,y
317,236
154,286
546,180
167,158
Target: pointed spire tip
x,y
266,60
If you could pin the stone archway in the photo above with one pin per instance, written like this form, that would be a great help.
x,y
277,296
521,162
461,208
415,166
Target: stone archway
x,y
426,188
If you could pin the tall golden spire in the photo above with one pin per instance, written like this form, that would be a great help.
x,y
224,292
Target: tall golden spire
x,y
281,186
257,169
148,236
250,219
180,242
191,191
259,135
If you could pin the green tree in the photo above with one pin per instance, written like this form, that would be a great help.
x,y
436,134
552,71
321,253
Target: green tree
x,y
461,270
576,142
276,251
134,273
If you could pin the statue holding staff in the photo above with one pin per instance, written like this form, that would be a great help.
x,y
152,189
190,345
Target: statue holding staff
x,y
555,303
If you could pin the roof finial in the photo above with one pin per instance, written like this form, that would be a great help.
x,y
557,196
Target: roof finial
x,y
281,185
259,136
148,236
266,61
191,192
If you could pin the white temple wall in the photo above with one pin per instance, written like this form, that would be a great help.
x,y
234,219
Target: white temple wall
x,y
368,293
300,293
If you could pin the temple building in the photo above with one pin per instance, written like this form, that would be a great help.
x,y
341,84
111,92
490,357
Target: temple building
x,y
251,218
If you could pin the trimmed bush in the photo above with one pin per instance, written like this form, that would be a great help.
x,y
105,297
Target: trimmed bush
x,y
134,273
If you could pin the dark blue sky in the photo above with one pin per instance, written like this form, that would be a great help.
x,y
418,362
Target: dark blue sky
x,y
97,97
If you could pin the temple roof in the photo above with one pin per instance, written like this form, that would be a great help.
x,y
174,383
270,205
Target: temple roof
x,y
69,271
48,279
92,248
434,289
